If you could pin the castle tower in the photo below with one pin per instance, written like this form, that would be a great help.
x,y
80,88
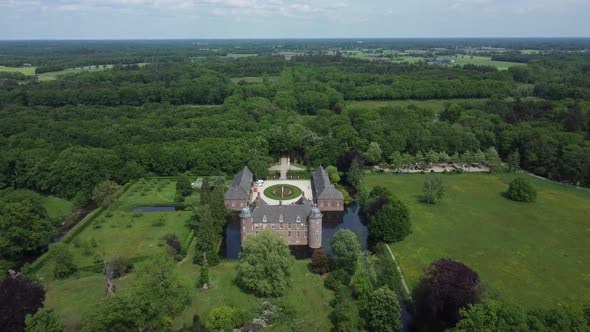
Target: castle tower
x,y
315,228
246,223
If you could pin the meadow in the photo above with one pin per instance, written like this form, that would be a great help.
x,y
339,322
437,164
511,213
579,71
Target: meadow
x,y
485,61
53,75
30,71
526,254
56,207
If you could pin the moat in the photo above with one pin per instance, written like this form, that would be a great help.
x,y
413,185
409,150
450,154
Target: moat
x,y
332,222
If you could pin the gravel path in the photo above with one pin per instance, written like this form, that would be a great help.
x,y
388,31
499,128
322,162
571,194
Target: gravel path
x,y
399,271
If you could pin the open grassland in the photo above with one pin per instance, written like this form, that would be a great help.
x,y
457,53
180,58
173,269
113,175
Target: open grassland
x,y
25,70
308,297
527,254
485,61
437,105
56,207
51,76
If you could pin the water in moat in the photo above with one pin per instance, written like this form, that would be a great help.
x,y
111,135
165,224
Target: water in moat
x,y
331,223
155,209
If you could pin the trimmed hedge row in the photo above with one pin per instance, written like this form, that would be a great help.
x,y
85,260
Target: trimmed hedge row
x,y
69,237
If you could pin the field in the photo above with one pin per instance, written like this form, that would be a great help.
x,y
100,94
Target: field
x,y
51,76
308,297
438,105
527,254
25,70
56,207
485,61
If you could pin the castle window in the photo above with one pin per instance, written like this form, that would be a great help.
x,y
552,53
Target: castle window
x,y
317,236
338,203
264,226
281,218
264,219
233,204
289,226
256,226
280,226
289,234
305,235
272,226
298,219
298,234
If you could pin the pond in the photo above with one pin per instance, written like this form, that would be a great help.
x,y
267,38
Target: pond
x,y
331,222
155,209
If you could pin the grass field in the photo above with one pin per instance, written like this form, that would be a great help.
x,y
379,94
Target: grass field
x,y
307,297
437,105
485,61
51,76
25,70
527,254
56,207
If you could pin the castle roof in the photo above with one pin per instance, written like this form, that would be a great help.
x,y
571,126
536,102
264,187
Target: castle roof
x,y
322,186
287,214
240,187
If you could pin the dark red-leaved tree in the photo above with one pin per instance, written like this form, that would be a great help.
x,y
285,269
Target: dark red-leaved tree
x,y
445,287
320,262
18,297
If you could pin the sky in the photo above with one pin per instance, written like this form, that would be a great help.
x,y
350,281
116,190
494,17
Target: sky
x,y
196,19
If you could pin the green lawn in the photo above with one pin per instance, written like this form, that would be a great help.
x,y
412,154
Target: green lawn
x,y
307,297
25,70
51,76
485,61
56,207
528,254
437,105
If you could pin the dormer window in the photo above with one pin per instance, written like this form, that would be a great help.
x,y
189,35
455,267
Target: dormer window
x,y
298,219
281,218
264,219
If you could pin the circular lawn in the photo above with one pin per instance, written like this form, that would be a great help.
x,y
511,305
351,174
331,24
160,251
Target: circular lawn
x,y
281,192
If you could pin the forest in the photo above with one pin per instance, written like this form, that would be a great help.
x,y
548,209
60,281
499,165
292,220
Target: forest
x,y
193,108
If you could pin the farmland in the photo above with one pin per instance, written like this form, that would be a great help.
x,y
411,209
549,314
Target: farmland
x,y
25,70
527,254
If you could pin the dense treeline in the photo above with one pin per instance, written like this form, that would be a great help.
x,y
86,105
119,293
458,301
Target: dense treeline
x,y
64,136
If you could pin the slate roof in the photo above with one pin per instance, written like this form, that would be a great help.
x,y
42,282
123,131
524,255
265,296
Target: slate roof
x,y
289,213
240,187
322,186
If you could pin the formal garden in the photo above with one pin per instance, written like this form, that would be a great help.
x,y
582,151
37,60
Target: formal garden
x,y
281,192
117,234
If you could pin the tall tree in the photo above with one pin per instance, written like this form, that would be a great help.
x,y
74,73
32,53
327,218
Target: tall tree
x,y
433,190
445,288
384,311
44,320
20,297
266,265
392,223
346,248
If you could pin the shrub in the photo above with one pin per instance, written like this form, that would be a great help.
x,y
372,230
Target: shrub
x,y
63,260
521,190
336,279
121,266
174,245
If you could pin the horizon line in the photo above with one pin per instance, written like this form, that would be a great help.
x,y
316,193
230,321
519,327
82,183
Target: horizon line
x,y
283,38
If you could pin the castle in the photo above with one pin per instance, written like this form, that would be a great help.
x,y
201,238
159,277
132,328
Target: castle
x,y
299,223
